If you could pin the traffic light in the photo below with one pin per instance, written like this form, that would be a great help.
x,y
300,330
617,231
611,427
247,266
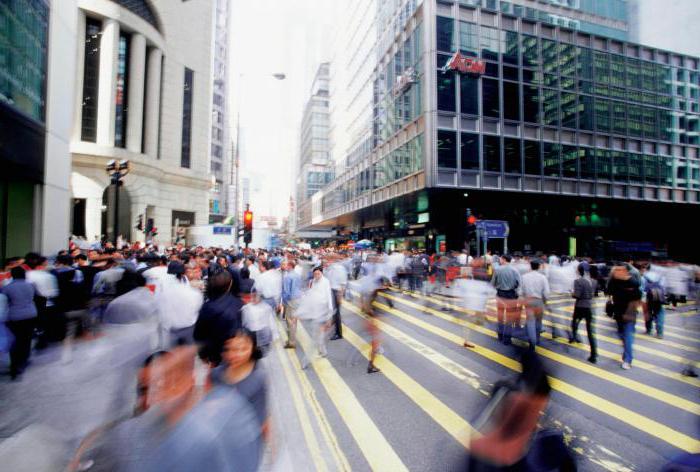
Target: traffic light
x,y
471,226
139,225
247,226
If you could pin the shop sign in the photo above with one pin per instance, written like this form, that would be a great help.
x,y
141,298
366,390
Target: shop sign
x,y
404,81
465,65
424,217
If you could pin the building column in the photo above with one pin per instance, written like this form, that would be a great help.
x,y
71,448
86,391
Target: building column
x,y
106,101
79,77
137,74
155,57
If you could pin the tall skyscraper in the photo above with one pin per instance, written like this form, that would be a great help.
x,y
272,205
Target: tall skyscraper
x,y
221,165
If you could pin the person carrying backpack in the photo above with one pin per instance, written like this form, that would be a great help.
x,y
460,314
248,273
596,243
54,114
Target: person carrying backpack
x,y
655,300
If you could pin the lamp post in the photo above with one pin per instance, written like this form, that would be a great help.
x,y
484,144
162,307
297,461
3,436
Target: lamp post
x,y
117,171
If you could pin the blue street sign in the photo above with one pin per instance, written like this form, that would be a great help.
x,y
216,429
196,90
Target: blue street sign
x,y
223,229
493,228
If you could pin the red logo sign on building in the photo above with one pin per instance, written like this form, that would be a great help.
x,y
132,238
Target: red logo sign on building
x,y
465,65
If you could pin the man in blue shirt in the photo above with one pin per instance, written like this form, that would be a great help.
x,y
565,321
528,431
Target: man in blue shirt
x,y
21,318
291,293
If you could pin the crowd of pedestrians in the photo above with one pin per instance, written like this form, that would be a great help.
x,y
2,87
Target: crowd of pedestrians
x,y
230,306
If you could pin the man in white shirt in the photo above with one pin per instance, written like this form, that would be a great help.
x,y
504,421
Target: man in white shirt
x,y
535,290
269,285
178,307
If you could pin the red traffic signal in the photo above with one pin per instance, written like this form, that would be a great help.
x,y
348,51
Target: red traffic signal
x,y
471,219
248,220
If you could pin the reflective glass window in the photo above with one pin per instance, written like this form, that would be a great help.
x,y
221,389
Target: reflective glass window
x,y
91,77
666,171
549,56
602,115
492,153
445,34
447,149
651,169
550,107
469,151
490,100
617,70
551,161
602,67
533,161
649,124
584,63
188,94
620,166
648,76
587,163
634,120
489,43
585,112
511,73
568,110
636,171
511,156
665,125
121,97
469,94
530,54
511,49
531,104
603,165
634,73
447,99
664,79
569,161
585,86
567,59
511,101
468,38
618,118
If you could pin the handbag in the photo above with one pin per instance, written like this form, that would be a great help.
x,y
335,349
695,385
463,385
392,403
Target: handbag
x,y
610,309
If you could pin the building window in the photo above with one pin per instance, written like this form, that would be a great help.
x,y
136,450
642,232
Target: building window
x,y
447,99
550,157
468,39
489,43
445,34
490,100
23,51
447,149
531,104
533,164
511,50
122,103
511,156
511,101
587,163
469,151
469,95
187,118
492,153
569,158
91,78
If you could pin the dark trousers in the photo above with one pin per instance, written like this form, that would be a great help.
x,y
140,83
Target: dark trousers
x,y
337,297
19,354
581,313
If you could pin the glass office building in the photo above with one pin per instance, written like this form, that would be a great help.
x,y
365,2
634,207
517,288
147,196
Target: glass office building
x,y
574,138
23,62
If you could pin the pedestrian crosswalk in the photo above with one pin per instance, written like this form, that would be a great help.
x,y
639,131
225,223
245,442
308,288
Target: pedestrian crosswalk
x,y
433,388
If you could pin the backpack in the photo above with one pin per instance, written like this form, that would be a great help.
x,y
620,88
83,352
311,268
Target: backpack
x,y
655,293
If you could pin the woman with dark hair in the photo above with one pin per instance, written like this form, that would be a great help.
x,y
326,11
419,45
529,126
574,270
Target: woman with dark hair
x,y
241,371
218,318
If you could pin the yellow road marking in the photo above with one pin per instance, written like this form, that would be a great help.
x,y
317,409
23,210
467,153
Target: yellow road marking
x,y
302,414
446,364
613,410
376,449
443,415
341,462
644,389
638,347
665,342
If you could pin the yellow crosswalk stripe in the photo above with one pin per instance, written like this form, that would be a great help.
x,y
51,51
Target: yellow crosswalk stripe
x,y
665,342
340,461
302,414
611,409
374,446
641,348
644,389
448,365
455,425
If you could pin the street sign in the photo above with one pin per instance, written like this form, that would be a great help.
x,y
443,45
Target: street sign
x,y
223,229
493,228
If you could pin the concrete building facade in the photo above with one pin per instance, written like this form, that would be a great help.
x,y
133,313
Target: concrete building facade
x,y
143,93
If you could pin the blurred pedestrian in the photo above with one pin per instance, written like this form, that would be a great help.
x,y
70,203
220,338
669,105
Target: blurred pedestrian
x,y
21,319
507,281
535,290
584,290
291,294
625,293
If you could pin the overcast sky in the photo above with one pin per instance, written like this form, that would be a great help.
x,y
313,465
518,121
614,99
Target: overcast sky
x,y
270,36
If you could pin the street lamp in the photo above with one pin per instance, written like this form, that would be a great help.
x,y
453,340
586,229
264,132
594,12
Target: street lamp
x,y
117,171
